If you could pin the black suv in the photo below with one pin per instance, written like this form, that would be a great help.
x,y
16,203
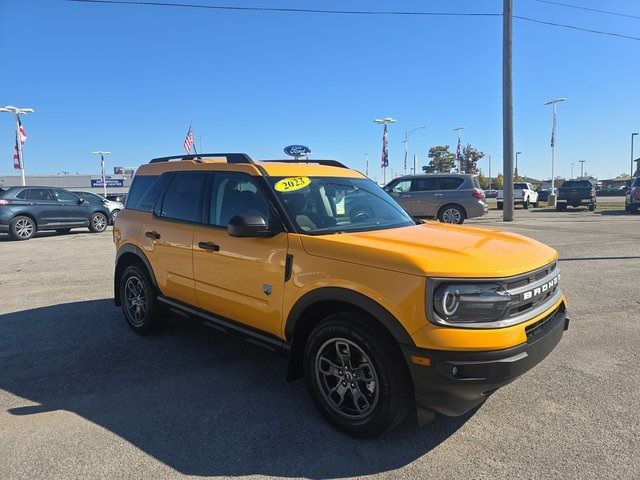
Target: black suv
x,y
25,210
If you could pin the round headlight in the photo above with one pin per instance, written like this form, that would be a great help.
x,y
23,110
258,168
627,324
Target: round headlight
x,y
449,302
470,303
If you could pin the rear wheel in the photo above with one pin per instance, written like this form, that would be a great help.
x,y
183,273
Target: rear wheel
x,y
139,300
499,205
525,204
560,207
22,228
452,214
98,222
536,204
356,375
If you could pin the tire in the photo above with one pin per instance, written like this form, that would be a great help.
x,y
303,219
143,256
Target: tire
x,y
561,207
22,228
592,207
114,215
451,213
139,301
63,230
633,208
536,204
98,222
366,409
499,205
525,204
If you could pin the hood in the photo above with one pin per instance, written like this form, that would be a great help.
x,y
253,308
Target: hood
x,y
435,249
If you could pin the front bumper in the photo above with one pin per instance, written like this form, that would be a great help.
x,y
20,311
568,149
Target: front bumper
x,y
455,382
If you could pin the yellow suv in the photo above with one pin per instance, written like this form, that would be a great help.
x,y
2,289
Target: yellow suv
x,y
380,313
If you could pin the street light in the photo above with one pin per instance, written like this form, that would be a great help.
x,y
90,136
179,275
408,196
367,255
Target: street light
x,y
582,168
632,135
104,180
385,145
17,112
552,195
406,146
366,164
517,153
458,158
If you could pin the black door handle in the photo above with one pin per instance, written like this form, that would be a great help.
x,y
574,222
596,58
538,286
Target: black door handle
x,y
153,235
209,246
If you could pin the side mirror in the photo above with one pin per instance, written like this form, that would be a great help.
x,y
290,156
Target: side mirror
x,y
248,225
81,200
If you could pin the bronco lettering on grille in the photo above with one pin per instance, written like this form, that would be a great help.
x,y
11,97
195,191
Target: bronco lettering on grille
x,y
541,289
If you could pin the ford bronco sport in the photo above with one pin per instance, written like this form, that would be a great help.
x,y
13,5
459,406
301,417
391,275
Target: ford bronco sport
x,y
381,314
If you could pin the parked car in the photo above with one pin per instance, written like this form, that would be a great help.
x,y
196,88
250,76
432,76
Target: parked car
x,y
576,193
114,207
543,195
117,197
523,194
632,197
449,197
491,193
26,210
381,315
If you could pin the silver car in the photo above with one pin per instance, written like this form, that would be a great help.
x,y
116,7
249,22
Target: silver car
x,y
449,197
114,207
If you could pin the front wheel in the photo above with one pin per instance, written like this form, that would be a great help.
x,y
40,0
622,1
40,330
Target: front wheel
x,y
536,204
98,222
356,375
451,214
592,207
114,214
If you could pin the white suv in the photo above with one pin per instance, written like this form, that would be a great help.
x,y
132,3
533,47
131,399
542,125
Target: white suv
x,y
523,194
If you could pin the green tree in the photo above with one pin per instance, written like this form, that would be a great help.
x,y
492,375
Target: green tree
x,y
484,181
442,160
498,182
470,158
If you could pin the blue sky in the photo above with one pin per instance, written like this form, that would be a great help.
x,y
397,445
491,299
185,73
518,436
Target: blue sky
x,y
130,79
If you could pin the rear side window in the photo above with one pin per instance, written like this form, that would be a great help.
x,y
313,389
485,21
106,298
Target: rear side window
x,y
450,183
22,194
183,197
40,194
424,184
476,183
140,186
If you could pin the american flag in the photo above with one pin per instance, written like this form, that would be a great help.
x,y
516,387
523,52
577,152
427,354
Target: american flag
x,y
384,161
21,137
188,140
459,157
553,133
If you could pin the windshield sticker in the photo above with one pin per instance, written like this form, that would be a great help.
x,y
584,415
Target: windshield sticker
x,y
292,184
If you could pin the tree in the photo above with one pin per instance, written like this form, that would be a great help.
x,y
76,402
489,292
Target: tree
x,y
442,160
484,181
498,182
470,158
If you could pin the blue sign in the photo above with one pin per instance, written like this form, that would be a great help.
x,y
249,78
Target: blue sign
x,y
111,182
297,150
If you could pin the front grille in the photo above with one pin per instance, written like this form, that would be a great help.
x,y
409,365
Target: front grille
x,y
536,329
533,289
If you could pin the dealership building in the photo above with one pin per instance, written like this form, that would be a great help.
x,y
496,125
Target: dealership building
x,y
116,183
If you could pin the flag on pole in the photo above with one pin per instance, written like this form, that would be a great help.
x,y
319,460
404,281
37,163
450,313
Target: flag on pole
x,y
188,141
553,132
459,156
21,137
384,161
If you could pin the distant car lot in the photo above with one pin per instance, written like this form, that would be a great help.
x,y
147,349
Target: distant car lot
x,y
81,396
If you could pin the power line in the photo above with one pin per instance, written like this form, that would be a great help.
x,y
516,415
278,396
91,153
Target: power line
x,y
579,7
289,10
573,27
350,12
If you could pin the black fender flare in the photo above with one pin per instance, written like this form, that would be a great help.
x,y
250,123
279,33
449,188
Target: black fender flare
x,y
352,297
129,248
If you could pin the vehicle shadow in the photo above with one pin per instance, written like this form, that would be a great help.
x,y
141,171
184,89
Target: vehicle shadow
x,y
201,402
47,233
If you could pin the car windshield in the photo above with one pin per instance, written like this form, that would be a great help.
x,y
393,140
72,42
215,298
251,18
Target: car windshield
x,y
323,205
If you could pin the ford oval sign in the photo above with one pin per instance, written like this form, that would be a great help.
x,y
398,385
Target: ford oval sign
x,y
297,150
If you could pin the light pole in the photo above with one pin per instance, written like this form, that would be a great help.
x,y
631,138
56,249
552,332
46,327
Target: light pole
x,y
366,164
572,170
516,174
490,173
632,135
384,161
406,144
104,180
552,195
582,168
415,164
17,112
458,157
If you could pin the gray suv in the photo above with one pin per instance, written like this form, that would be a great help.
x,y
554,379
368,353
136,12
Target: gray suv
x,y
449,197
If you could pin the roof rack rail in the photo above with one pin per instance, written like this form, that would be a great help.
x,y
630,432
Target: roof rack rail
x,y
231,157
328,163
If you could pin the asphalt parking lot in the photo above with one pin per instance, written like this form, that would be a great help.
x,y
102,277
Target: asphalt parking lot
x,y
81,396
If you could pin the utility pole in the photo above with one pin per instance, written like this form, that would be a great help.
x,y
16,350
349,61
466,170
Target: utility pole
x,y
415,163
632,172
517,153
406,144
104,178
582,168
366,164
19,134
490,174
507,110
